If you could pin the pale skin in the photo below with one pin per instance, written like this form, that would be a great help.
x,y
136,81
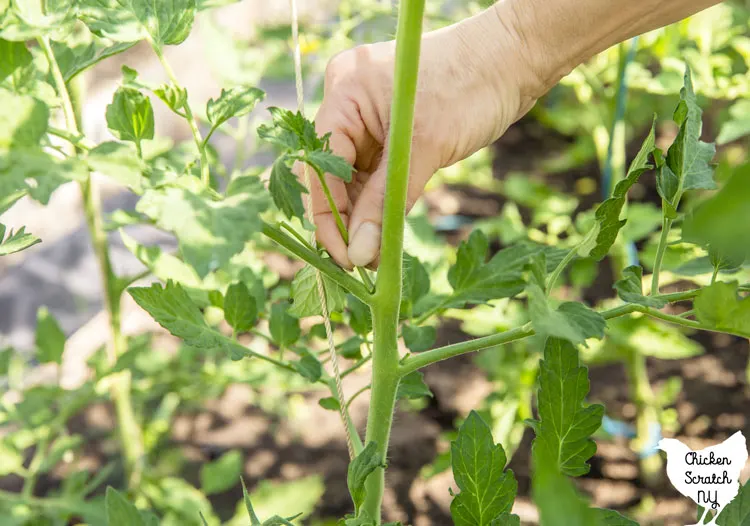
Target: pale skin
x,y
476,78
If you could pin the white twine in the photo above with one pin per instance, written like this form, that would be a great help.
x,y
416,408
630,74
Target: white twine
x,y
311,219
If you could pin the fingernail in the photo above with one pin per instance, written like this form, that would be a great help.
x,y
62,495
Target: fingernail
x,y
365,244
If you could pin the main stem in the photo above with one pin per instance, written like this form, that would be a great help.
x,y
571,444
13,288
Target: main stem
x,y
385,307
130,433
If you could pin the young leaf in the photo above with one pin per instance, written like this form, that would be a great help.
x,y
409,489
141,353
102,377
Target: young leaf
x,y
328,163
305,294
286,190
15,242
162,22
360,468
719,306
50,339
254,521
130,116
221,474
118,161
630,288
291,131
175,97
173,309
235,102
240,309
210,232
565,425
309,367
284,328
120,512
607,215
329,403
418,339
412,386
487,492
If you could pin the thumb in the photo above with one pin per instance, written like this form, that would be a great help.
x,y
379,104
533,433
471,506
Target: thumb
x,y
366,221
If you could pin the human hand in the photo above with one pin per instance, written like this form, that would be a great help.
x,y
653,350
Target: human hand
x,y
465,101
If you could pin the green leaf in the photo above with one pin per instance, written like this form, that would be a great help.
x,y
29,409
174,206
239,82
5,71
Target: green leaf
x,y
487,491
720,306
16,70
412,386
120,512
351,349
328,163
23,120
162,265
630,288
612,518
15,242
737,512
254,521
130,116
572,321
475,281
607,216
506,519
360,468
309,367
221,474
173,309
301,495
416,284
50,338
210,232
284,328
175,97
360,317
291,131
720,223
118,161
31,170
83,50
306,298
565,424
240,309
286,190
418,339
132,20
329,403
234,102
738,124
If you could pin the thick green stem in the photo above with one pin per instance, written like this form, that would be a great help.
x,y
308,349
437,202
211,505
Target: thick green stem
x,y
199,143
647,414
130,432
326,266
385,308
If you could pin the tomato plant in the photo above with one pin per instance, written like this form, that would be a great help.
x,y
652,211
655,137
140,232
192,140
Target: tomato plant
x,y
215,290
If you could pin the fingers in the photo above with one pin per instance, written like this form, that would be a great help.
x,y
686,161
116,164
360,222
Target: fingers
x,y
327,229
366,221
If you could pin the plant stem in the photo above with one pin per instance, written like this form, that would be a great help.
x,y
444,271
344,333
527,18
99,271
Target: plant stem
x,y
130,433
326,266
78,141
560,267
356,394
646,416
666,225
385,308
205,173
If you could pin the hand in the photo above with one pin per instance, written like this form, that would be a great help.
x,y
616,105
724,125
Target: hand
x,y
465,101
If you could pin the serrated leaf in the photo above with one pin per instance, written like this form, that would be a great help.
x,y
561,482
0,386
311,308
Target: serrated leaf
x,y
571,320
118,161
630,288
737,512
329,163
15,242
360,468
240,309
163,22
33,171
487,491
284,328
564,427
234,102
306,301
286,190
175,97
418,339
291,131
210,232
130,116
475,281
607,216
173,309
720,306
50,338
120,512
221,474
506,519
412,386
76,56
